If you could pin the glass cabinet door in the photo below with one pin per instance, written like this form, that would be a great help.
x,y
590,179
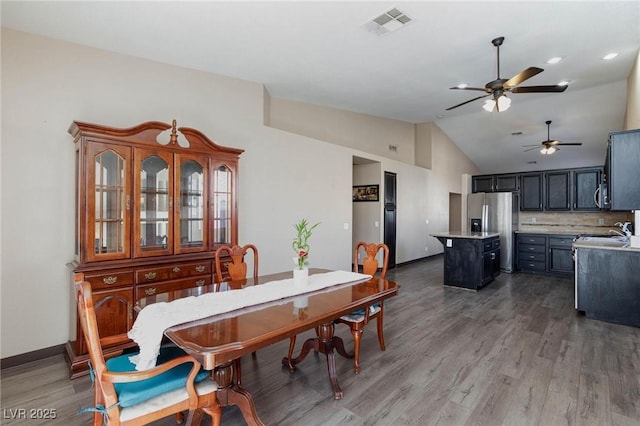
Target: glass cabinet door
x,y
222,207
108,202
154,196
191,232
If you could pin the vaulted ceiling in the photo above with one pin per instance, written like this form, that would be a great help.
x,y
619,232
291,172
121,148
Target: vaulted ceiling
x,y
325,53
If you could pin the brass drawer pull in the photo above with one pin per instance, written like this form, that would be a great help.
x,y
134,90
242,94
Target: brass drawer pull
x,y
176,269
110,280
150,291
150,275
199,283
200,268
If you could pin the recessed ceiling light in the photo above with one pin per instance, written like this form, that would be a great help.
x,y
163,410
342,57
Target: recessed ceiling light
x,y
462,85
564,83
554,60
609,56
441,116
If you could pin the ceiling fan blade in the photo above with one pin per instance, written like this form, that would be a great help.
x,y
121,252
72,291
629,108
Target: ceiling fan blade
x,y
570,144
470,100
531,149
524,75
482,89
539,89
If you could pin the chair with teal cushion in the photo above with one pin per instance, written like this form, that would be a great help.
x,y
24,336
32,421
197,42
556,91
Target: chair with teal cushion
x,y
124,396
358,319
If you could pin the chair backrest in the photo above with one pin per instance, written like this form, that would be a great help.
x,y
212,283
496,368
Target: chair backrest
x,y
237,269
370,262
105,391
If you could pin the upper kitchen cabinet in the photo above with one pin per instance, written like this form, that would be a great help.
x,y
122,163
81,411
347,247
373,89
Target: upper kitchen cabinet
x,y
622,171
495,183
531,190
557,190
586,186
482,183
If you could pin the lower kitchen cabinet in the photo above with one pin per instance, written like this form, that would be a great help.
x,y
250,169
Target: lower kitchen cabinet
x,y
545,254
608,284
470,261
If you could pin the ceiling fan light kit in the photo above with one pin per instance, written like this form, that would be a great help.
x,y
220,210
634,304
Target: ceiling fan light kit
x,y
498,87
503,103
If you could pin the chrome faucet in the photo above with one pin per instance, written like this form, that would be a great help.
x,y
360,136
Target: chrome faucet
x,y
626,229
615,231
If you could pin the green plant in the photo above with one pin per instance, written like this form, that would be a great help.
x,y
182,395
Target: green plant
x,y
300,243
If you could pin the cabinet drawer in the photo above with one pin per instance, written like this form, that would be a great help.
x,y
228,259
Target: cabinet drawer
x,y
486,245
110,279
151,275
561,241
525,257
154,289
190,269
495,243
528,248
532,265
531,239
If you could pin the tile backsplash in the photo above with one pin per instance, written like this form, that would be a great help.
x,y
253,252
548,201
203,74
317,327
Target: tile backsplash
x,y
572,222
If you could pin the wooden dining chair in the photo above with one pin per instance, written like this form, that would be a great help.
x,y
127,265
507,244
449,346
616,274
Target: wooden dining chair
x,y
123,396
358,319
235,270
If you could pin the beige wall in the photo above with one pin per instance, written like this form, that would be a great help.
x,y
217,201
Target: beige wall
x,y
632,116
284,175
350,129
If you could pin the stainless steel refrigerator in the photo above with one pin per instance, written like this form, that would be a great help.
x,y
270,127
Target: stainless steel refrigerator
x,y
496,212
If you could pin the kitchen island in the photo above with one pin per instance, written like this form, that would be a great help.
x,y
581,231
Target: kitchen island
x,y
471,259
607,280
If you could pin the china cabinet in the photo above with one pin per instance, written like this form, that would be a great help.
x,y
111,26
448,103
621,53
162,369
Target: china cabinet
x,y
154,202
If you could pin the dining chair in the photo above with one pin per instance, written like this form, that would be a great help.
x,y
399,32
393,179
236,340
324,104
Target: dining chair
x,y
123,396
357,320
235,270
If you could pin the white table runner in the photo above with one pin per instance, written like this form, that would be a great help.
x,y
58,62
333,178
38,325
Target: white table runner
x,y
154,319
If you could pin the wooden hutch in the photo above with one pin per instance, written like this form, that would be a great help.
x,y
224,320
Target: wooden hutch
x,y
154,202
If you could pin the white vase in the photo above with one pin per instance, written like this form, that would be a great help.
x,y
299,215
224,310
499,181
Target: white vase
x,y
300,277
300,302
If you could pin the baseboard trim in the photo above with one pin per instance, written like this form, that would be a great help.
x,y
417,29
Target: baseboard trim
x,y
420,259
13,361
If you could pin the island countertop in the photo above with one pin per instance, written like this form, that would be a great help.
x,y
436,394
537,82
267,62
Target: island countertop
x,y
467,235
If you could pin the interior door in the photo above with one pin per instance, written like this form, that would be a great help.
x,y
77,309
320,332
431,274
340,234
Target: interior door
x,y
390,216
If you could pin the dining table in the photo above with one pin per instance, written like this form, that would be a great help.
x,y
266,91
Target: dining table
x,y
219,340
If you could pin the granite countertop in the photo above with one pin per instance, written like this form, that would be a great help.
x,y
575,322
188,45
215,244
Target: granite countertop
x,y
604,243
561,232
467,235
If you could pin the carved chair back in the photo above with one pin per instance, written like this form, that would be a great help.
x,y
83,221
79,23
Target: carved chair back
x,y
237,268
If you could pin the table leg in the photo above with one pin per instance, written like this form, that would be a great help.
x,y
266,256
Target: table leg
x,y
325,343
230,393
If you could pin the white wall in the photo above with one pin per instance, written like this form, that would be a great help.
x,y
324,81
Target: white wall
x,y
46,84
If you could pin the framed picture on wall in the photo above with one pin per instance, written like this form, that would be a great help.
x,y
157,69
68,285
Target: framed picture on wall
x,y
365,192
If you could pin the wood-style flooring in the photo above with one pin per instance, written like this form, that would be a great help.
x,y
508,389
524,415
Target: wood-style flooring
x,y
514,353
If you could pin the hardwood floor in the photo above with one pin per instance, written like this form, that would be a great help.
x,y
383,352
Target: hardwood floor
x,y
514,353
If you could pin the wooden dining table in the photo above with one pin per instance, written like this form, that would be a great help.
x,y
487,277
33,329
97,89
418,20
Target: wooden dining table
x,y
218,340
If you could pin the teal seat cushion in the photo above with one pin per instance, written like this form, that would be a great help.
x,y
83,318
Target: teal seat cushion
x,y
361,311
134,393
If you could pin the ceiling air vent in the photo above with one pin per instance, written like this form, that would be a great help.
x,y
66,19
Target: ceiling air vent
x,y
387,22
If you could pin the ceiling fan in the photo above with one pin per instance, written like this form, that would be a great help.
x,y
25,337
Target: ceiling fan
x,y
500,86
549,146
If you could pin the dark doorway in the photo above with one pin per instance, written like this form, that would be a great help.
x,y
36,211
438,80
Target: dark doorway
x,y
390,216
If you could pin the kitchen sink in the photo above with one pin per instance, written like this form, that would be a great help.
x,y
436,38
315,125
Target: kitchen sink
x,y
612,241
